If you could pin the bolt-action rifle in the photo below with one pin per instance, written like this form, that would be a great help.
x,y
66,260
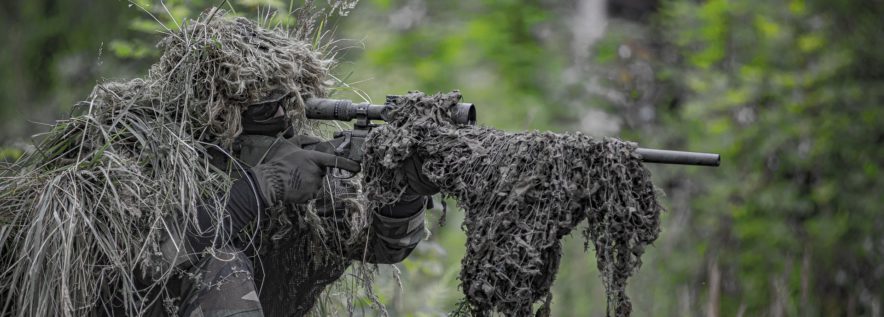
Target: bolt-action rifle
x,y
349,142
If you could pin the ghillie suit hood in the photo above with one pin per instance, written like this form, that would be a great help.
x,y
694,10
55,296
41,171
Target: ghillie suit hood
x,y
83,216
522,193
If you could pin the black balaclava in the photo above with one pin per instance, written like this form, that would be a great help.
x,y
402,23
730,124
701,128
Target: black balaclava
x,y
267,118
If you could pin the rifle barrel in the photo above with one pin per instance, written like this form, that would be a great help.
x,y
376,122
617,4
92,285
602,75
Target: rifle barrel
x,y
678,157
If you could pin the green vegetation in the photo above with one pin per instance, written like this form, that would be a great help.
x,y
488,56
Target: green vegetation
x,y
791,95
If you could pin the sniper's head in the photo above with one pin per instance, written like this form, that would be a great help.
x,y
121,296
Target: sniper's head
x,y
233,73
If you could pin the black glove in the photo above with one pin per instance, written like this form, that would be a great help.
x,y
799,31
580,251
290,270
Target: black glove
x,y
418,183
290,174
415,197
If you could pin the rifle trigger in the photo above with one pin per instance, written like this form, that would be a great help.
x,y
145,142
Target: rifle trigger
x,y
343,150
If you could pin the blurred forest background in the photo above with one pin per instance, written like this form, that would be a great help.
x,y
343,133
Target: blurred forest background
x,y
790,92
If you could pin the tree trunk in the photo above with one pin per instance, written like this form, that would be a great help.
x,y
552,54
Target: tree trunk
x,y
804,307
712,306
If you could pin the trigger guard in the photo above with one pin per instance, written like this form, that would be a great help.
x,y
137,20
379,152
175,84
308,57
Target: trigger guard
x,y
341,149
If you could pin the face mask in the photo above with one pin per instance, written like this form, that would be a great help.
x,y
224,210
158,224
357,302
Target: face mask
x,y
267,118
254,122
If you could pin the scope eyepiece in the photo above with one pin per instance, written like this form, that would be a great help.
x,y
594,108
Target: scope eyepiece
x,y
464,113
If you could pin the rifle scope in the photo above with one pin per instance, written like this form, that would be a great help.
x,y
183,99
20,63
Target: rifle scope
x,y
346,110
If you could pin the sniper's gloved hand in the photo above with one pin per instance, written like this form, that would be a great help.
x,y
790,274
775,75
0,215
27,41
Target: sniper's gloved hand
x,y
414,199
291,174
418,182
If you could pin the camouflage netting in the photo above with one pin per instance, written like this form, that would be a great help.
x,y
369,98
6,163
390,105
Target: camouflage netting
x,y
87,210
522,192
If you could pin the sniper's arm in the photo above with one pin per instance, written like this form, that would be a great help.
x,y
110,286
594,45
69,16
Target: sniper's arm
x,y
288,175
294,175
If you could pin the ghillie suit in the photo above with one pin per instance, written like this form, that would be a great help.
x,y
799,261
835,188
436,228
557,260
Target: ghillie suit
x,y
83,217
522,192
